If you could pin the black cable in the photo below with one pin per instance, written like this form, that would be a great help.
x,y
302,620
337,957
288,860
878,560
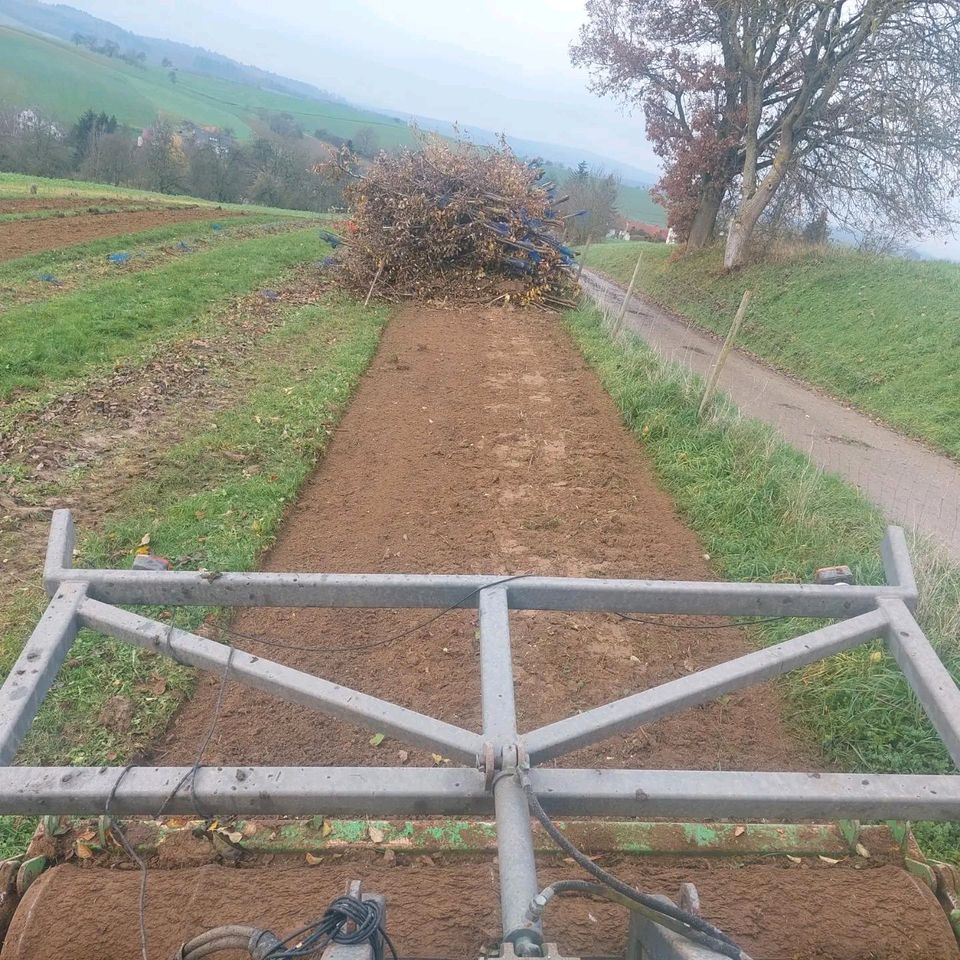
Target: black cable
x,y
376,643
135,857
365,916
700,931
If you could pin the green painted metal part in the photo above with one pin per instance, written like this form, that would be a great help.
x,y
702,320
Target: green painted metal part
x,y
28,872
922,871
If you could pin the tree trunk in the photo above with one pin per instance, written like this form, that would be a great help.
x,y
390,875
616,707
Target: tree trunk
x,y
705,219
745,220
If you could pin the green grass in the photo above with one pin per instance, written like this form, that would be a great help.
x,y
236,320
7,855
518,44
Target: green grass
x,y
216,499
882,333
635,203
95,326
63,81
764,513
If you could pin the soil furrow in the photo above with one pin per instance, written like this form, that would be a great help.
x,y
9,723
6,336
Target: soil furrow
x,y
481,442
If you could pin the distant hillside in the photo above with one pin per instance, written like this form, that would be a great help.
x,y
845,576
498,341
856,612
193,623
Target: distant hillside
x,y
557,153
63,22
41,68
62,81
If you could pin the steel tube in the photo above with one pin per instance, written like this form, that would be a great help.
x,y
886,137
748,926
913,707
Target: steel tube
x,y
496,668
35,669
180,588
60,544
287,683
897,564
428,791
631,712
926,674
516,862
515,853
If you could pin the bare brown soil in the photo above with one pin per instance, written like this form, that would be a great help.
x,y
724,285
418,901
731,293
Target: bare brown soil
x,y
21,237
480,442
449,908
29,204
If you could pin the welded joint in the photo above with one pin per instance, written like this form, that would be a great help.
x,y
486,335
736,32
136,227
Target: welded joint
x,y
898,567
501,759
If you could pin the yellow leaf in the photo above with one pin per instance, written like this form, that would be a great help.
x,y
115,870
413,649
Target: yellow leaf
x,y
326,829
739,830
862,851
312,860
145,540
249,829
829,860
376,834
437,759
794,859
84,852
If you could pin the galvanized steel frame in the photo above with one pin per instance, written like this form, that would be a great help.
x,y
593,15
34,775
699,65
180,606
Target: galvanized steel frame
x,y
488,781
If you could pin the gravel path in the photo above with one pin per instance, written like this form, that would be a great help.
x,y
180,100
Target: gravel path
x,y
914,486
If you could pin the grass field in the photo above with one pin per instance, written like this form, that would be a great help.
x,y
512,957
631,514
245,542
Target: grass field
x,y
764,513
242,392
635,203
880,332
63,81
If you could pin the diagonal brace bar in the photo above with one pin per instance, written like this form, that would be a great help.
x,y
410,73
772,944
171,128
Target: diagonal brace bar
x,y
36,668
631,712
289,684
926,674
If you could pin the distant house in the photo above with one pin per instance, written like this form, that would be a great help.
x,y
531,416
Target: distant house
x,y
639,230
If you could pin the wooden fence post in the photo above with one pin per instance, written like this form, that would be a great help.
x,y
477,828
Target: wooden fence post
x,y
724,352
627,296
583,256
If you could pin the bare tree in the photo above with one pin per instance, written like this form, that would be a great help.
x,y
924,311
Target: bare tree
x,y
592,199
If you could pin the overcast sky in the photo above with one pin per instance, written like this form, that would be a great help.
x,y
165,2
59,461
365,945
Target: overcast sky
x,y
499,64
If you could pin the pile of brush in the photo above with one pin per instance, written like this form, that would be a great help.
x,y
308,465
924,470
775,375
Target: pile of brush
x,y
455,222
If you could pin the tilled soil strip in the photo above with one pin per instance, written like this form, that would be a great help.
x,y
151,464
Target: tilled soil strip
x,y
480,442
21,237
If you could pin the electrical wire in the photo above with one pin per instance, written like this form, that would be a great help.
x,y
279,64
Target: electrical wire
x,y
366,916
281,645
692,927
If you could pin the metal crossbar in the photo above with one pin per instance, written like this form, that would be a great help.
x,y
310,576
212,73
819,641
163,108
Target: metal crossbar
x,y
489,781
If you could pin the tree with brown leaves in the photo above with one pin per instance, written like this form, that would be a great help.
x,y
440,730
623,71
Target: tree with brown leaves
x,y
850,104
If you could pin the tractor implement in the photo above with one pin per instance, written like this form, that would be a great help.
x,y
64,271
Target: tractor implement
x,y
560,836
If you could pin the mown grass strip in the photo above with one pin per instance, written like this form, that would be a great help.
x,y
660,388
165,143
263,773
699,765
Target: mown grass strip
x,y
214,500
94,327
880,332
763,512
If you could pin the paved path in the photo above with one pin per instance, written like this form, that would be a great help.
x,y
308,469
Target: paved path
x,y
914,486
